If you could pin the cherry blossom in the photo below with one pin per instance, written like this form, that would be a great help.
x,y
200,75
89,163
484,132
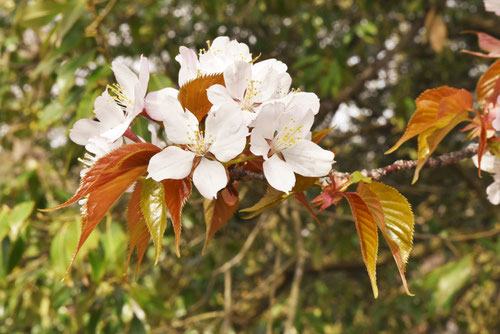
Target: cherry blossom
x,y
280,137
115,109
221,53
197,152
248,86
491,164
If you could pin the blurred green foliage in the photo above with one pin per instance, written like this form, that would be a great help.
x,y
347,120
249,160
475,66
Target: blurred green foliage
x,y
55,60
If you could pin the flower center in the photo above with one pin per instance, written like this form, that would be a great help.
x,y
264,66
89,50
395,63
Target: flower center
x,y
198,144
119,97
287,137
252,90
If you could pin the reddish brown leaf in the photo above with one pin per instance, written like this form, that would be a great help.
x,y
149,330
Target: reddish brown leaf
x,y
176,194
366,227
331,194
193,94
271,198
218,211
397,244
488,86
318,136
128,155
101,199
427,113
303,200
487,43
430,139
138,230
106,181
484,125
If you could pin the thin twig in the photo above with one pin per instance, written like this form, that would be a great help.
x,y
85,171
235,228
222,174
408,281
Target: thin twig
x,y
272,293
299,272
461,237
226,325
200,317
231,263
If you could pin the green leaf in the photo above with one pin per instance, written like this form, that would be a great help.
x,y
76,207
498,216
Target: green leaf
x,y
62,246
66,74
38,13
159,81
16,253
69,17
154,210
13,220
446,282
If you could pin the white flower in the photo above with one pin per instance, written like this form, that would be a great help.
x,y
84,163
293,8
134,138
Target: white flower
x,y
199,151
128,94
87,132
492,6
248,86
280,137
116,111
221,53
491,164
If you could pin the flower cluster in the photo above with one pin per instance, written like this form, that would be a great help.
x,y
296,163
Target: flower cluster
x,y
229,108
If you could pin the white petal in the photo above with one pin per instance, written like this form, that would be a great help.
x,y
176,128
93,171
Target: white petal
x,y
308,159
492,6
153,128
493,192
126,79
219,44
83,130
238,51
489,163
259,144
296,117
180,126
219,95
159,103
171,163
279,175
189,65
107,111
100,146
237,77
117,131
302,101
267,121
226,131
209,177
143,76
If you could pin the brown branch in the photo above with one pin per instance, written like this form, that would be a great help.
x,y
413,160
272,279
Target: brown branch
x,y
446,159
442,160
